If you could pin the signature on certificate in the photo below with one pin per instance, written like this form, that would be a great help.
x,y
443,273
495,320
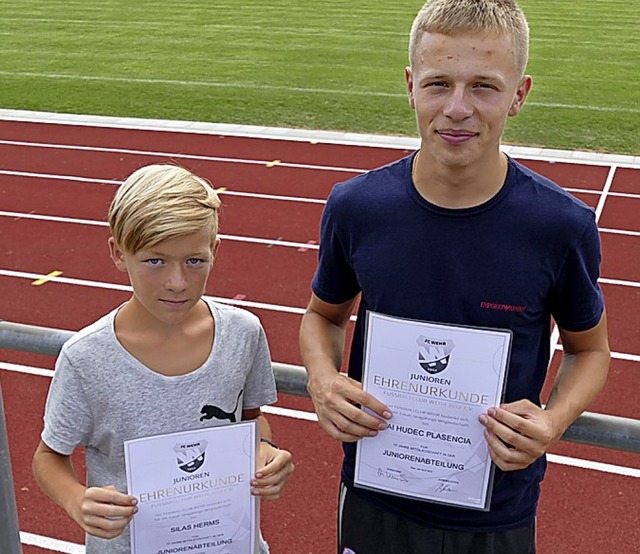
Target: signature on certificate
x,y
392,474
445,487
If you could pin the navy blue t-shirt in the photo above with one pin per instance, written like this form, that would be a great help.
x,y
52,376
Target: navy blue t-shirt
x,y
530,253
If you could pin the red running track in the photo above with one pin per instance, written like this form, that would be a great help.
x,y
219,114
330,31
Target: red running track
x,y
270,226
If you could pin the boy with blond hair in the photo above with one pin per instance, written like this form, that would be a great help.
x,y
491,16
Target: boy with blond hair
x,y
167,360
459,234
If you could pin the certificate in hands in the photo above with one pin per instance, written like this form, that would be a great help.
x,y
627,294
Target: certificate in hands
x,y
436,379
193,491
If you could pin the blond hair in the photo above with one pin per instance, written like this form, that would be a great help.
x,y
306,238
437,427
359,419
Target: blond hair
x,y
160,202
449,17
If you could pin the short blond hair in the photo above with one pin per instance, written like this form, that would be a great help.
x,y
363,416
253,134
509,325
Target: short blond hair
x,y
160,202
450,17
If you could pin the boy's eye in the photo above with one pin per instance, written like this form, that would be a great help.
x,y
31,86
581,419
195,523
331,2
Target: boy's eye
x,y
153,261
195,261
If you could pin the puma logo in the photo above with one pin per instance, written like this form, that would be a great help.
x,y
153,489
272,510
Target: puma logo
x,y
209,412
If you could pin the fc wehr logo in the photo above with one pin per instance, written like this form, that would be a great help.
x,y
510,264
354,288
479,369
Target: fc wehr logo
x,y
190,456
433,354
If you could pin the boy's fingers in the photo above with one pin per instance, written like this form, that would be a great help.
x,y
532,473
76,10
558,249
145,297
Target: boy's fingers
x,y
110,495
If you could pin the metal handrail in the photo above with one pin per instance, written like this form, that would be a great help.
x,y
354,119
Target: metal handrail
x,y
607,431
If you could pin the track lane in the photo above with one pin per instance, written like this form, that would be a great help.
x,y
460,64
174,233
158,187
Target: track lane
x,y
550,534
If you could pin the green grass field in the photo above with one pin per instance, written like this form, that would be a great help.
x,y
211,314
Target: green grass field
x,y
322,64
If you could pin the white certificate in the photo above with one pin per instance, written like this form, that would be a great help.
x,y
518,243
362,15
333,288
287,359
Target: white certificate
x,y
436,379
193,491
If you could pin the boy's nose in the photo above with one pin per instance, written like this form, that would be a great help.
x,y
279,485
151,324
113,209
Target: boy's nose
x,y
176,280
457,106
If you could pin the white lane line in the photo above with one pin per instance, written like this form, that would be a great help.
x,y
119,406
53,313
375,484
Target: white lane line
x,y
73,178
345,138
29,370
595,466
618,282
127,288
177,155
311,416
614,355
49,543
96,223
269,242
605,191
91,222
261,196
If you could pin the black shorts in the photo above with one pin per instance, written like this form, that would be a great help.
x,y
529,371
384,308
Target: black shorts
x,y
363,528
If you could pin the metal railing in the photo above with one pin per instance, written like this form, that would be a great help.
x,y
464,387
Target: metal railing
x,y
9,529
602,430
618,433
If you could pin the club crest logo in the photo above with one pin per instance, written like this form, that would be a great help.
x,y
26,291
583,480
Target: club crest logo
x,y
190,456
433,354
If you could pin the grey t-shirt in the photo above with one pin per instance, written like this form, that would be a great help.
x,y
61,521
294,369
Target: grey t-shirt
x,y
101,396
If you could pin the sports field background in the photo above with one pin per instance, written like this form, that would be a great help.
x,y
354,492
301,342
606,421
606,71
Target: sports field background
x,y
317,64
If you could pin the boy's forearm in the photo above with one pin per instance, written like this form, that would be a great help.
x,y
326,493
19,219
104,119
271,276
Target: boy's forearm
x,y
57,478
582,374
580,379
322,345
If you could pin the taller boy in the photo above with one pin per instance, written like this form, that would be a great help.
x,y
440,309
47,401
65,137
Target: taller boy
x,y
165,361
459,233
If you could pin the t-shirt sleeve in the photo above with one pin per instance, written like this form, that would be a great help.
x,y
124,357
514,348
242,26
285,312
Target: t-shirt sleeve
x,y
67,417
260,385
577,299
335,280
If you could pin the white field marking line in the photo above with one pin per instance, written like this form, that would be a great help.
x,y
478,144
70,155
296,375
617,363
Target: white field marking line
x,y
258,195
230,301
618,282
605,191
600,192
343,138
255,86
59,177
595,466
127,288
49,543
175,155
281,134
99,284
311,416
235,238
239,238
619,232
614,355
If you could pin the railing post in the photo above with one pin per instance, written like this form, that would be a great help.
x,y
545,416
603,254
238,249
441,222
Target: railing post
x,y
9,529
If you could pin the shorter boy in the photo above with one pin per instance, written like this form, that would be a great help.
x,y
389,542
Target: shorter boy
x,y
167,360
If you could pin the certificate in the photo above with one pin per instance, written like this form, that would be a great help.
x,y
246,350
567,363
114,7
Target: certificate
x,y
193,491
436,379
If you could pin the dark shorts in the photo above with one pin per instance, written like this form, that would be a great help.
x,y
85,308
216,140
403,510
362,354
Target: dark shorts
x,y
363,528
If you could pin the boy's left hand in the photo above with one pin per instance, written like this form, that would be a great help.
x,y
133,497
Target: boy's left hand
x,y
518,434
275,469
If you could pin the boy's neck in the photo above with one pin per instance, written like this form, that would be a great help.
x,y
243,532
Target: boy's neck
x,y
457,188
169,349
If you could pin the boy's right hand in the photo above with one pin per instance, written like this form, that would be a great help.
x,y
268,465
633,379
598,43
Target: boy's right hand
x,y
104,511
337,399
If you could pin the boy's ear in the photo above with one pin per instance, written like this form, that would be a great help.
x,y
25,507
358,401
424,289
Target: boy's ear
x,y
116,255
216,245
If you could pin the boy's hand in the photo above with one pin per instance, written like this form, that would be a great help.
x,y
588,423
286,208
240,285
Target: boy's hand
x,y
518,434
337,399
104,512
275,469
